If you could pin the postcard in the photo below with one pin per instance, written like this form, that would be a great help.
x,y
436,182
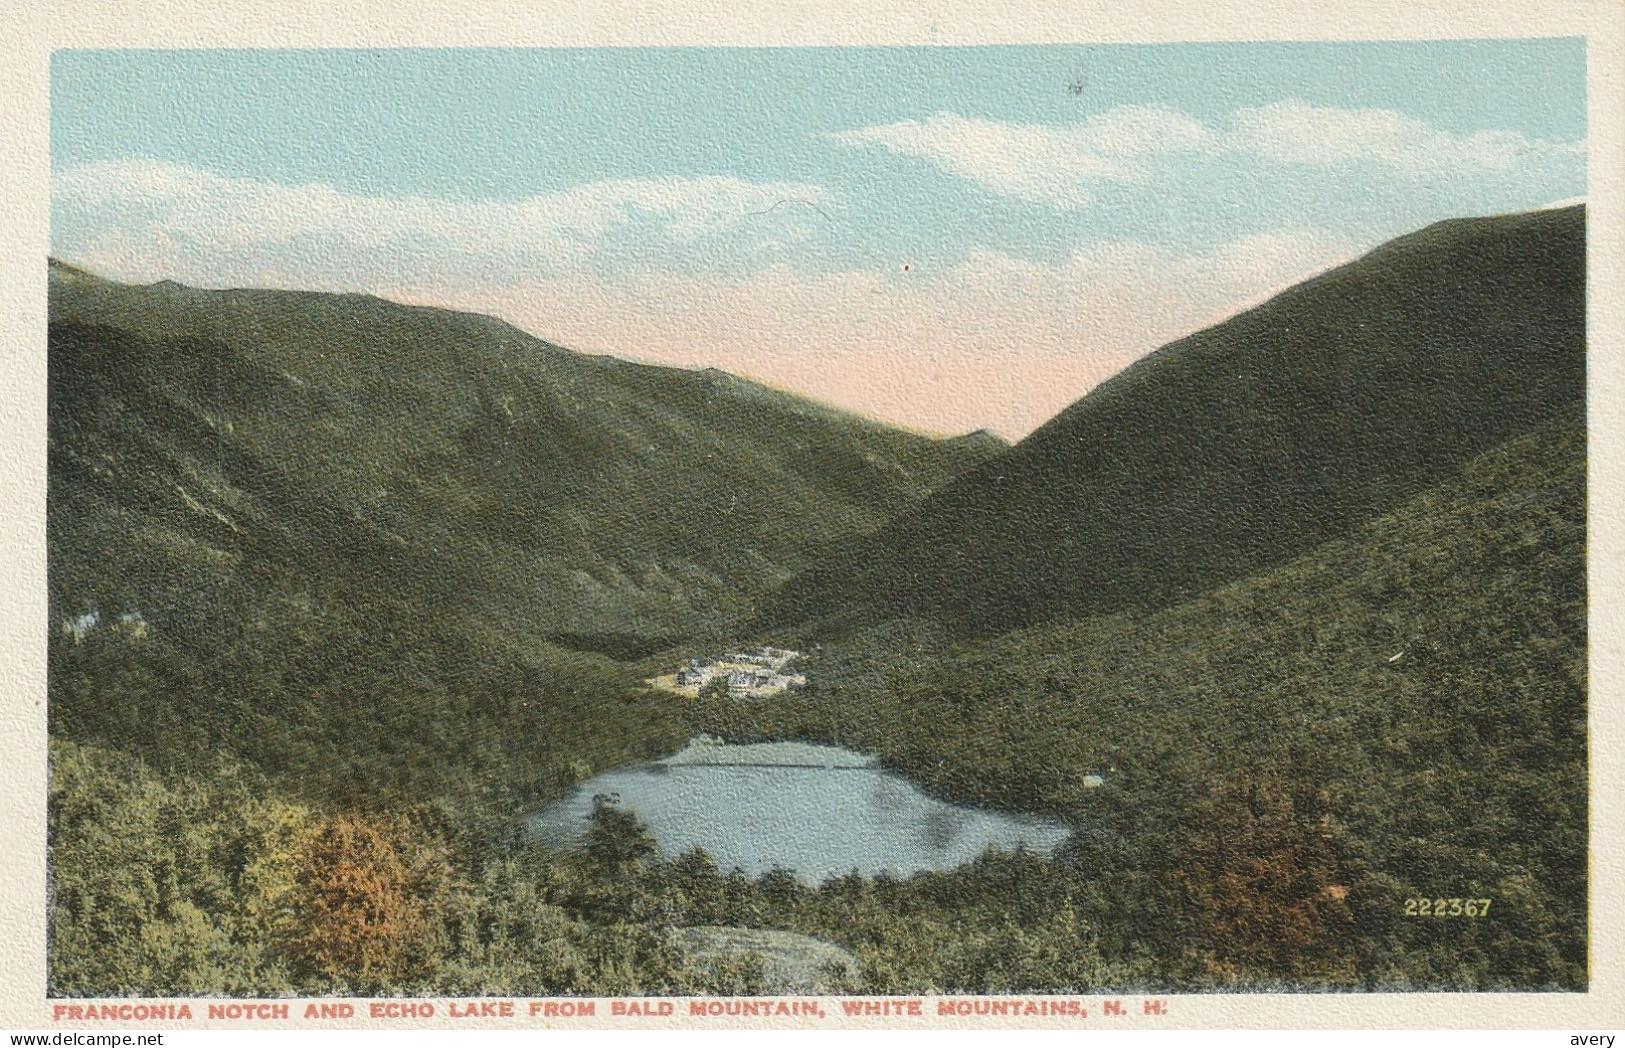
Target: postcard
x,y
660,518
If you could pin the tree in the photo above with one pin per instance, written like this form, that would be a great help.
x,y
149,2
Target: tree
x,y
1261,882
367,913
617,841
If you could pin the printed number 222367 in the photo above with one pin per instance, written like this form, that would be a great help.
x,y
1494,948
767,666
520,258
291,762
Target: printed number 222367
x,y
1447,907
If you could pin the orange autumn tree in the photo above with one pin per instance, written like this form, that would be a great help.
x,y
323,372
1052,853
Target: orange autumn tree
x,y
371,893
1262,884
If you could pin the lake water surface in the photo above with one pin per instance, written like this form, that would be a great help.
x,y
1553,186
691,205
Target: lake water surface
x,y
817,810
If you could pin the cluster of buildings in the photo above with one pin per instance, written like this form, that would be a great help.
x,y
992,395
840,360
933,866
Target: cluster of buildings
x,y
744,673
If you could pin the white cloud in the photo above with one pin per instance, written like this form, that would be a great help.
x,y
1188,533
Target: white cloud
x,y
142,219
1048,165
1320,136
1062,165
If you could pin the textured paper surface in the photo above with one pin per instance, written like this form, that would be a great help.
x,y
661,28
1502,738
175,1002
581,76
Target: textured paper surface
x,y
187,23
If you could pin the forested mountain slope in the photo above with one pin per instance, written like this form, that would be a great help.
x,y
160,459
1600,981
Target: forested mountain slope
x,y
1245,444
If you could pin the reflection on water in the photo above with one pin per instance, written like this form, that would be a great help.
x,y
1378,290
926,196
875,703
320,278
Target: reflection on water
x,y
938,827
779,809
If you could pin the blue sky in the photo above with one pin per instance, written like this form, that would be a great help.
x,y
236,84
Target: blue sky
x,y
944,237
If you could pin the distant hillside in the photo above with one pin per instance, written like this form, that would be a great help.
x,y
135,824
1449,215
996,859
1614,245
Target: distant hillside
x,y
1245,444
205,439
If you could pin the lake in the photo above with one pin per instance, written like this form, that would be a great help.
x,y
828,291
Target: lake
x,y
817,810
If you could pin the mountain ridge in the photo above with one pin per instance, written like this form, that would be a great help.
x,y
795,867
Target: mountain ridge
x,y
1243,444
501,467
